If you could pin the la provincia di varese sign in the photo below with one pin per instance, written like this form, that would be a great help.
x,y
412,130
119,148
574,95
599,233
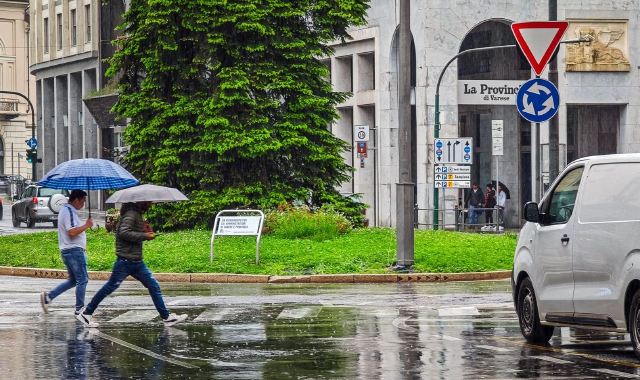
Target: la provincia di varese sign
x,y
501,92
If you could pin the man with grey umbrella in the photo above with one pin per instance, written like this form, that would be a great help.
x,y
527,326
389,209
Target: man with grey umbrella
x,y
131,232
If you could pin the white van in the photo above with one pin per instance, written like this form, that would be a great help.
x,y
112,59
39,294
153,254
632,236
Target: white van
x,y
577,262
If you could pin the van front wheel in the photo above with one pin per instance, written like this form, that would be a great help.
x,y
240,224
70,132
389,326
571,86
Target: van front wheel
x,y
528,318
634,318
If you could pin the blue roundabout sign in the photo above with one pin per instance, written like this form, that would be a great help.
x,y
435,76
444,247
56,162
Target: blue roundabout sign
x,y
538,100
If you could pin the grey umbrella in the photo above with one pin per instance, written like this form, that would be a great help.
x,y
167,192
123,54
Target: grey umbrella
x,y
147,193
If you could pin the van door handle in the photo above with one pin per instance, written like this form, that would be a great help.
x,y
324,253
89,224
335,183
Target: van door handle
x,y
564,239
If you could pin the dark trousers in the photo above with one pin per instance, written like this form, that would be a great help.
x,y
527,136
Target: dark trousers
x,y
121,269
488,216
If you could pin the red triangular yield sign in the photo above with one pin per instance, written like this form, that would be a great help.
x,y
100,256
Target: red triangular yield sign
x,y
538,40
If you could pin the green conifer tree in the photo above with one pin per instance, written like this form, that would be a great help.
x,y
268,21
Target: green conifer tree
x,y
229,102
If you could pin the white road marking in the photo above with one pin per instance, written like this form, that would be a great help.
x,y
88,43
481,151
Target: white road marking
x,y
446,337
493,348
448,312
617,373
135,316
299,313
178,302
215,315
551,359
142,350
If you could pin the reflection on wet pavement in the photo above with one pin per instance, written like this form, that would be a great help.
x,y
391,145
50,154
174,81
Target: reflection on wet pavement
x,y
391,331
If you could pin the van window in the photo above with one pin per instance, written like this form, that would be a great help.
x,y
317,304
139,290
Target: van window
x,y
563,198
611,193
47,192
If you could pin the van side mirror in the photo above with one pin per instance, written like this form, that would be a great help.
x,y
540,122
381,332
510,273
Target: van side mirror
x,y
531,212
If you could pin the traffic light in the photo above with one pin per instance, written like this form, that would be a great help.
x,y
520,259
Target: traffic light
x,y
32,156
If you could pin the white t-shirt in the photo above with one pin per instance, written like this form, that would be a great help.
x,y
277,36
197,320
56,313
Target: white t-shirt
x,y
68,219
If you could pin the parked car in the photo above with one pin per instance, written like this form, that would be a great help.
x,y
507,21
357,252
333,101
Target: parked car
x,y
577,261
38,204
5,181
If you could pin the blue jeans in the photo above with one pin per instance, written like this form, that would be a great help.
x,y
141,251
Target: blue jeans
x,y
121,269
473,216
76,262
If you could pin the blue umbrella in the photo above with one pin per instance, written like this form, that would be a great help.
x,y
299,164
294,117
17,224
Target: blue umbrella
x,y
88,174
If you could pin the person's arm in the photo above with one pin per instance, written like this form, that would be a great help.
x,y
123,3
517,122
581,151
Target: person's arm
x,y
481,198
78,230
127,231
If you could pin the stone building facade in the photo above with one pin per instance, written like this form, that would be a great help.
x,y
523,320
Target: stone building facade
x,y
15,115
599,86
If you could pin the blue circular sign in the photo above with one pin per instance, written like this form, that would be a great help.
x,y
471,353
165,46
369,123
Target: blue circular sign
x,y
467,157
467,149
439,144
538,100
32,143
439,152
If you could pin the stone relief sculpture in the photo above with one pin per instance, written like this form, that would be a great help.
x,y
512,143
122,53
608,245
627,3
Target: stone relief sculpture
x,y
607,49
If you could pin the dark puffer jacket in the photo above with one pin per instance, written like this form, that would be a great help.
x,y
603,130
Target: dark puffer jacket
x,y
130,233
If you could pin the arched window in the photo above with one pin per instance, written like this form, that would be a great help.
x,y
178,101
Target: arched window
x,y
3,49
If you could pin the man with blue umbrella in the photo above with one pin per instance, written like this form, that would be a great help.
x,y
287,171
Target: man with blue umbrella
x,y
72,241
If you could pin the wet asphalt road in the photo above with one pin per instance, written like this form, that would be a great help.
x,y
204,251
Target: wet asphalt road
x,y
280,331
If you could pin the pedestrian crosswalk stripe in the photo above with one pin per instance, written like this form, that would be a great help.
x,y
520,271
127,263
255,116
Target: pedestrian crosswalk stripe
x,y
214,315
493,348
551,359
133,316
467,310
299,313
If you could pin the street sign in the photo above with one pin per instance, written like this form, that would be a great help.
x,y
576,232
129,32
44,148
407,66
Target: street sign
x,y
452,169
453,184
497,146
32,143
454,151
538,100
538,40
453,177
497,128
360,133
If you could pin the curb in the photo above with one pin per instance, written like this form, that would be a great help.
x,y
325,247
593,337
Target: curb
x,y
216,278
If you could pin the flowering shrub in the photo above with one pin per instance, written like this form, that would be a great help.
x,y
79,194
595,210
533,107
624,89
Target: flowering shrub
x,y
292,222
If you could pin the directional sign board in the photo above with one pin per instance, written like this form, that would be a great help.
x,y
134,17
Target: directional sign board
x,y
538,40
360,133
453,177
454,151
452,169
32,143
453,184
538,100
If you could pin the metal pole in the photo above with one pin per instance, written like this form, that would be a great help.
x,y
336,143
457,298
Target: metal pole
x,y
436,127
554,151
33,126
404,187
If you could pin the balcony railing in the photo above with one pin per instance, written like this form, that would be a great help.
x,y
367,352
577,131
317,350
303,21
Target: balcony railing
x,y
9,107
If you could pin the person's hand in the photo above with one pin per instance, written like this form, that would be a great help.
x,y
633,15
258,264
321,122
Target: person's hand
x,y
146,227
89,223
150,235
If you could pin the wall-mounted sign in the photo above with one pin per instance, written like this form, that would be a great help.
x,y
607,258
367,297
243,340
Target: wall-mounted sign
x,y
360,133
502,92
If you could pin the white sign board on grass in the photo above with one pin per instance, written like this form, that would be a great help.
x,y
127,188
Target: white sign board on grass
x,y
238,225
249,222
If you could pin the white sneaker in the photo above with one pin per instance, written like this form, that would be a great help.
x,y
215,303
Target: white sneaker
x,y
172,319
45,301
86,319
501,228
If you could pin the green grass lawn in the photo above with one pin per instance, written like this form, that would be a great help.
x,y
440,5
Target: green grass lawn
x,y
370,250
